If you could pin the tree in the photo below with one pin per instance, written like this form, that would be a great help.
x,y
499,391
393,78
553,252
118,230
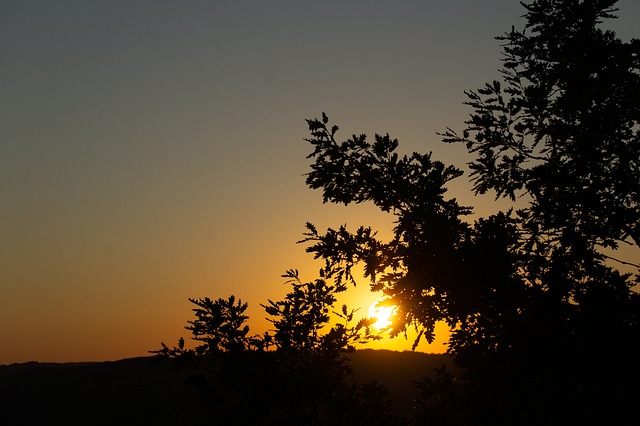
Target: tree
x,y
300,318
528,293
311,357
563,129
220,325
295,376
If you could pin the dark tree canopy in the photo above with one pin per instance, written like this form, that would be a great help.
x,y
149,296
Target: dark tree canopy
x,y
532,299
563,125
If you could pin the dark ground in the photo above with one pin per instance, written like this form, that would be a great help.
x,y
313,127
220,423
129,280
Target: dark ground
x,y
138,391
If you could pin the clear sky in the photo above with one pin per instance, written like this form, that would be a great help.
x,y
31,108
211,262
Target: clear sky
x,y
152,151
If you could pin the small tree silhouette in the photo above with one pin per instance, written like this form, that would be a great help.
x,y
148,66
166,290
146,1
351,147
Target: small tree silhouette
x,y
295,376
300,318
220,325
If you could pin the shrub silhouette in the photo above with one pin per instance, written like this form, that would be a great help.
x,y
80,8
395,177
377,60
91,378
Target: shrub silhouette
x,y
297,375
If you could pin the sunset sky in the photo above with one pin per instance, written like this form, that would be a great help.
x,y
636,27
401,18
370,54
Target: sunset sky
x,y
152,150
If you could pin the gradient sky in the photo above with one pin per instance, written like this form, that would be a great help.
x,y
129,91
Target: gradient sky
x,y
152,151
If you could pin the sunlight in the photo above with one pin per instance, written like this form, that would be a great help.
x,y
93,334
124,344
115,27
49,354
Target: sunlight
x,y
381,314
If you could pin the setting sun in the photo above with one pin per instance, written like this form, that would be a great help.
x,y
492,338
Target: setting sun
x,y
381,314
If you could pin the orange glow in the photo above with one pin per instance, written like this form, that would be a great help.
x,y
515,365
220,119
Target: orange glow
x,y
382,315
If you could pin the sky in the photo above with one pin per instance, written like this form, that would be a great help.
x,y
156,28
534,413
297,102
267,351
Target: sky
x,y
152,150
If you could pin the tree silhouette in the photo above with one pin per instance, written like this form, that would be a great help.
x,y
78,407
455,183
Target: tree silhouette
x,y
563,127
541,319
311,361
220,325
545,326
300,318
295,376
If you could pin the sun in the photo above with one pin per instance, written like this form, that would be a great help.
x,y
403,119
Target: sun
x,y
381,314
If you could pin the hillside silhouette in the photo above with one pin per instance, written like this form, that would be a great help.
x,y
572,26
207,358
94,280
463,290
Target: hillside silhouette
x,y
139,391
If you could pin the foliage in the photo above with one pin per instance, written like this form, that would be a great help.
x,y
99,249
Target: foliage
x,y
532,297
437,267
219,324
299,318
295,376
562,128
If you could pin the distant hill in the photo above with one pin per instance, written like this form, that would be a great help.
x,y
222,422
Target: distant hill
x,y
139,391
397,371
127,392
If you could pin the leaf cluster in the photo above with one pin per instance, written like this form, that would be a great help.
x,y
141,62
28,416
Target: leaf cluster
x,y
563,127
300,318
